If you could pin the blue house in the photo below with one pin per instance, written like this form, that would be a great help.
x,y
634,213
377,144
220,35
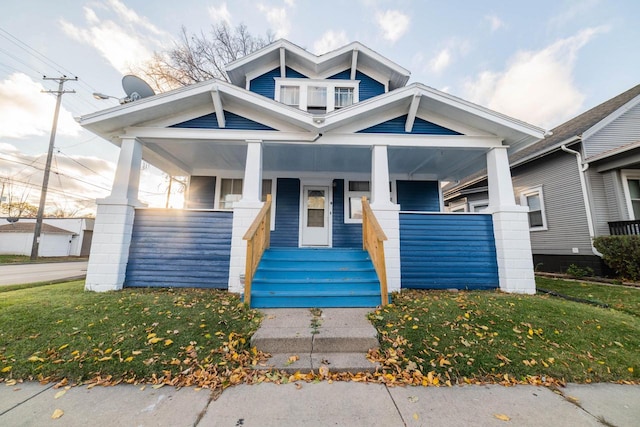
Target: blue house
x,y
280,159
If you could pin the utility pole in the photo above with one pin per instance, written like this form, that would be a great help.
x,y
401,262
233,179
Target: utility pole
x,y
47,169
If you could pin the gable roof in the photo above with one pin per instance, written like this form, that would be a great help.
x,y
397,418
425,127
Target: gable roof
x,y
569,132
576,126
29,227
336,60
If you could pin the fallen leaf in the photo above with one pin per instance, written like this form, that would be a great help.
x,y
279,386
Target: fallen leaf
x,y
415,416
413,399
57,414
10,383
502,417
157,386
59,394
6,369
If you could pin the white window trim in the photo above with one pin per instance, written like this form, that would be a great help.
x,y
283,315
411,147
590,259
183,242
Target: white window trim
x,y
455,208
274,186
475,203
626,175
348,194
330,84
523,202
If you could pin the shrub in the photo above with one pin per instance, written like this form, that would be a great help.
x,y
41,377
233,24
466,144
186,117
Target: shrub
x,y
579,272
621,253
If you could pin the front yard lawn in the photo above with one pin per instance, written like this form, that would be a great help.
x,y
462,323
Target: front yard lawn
x,y
201,337
24,259
620,298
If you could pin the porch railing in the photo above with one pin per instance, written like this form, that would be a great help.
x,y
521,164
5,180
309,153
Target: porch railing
x,y
373,242
258,238
624,228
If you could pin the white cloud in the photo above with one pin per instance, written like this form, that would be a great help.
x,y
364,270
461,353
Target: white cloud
x,y
393,23
572,12
277,18
220,14
536,86
329,41
127,40
440,61
25,111
290,3
74,184
494,22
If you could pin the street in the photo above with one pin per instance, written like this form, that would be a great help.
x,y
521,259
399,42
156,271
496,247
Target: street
x,y
14,274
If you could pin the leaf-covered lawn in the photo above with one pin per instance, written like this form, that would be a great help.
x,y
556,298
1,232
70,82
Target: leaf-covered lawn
x,y
467,336
201,337
160,335
621,298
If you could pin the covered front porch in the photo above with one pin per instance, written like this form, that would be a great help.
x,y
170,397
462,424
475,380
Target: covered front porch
x,y
316,187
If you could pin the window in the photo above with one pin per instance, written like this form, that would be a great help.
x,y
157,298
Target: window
x,y
290,95
343,97
631,186
316,99
355,191
231,191
458,206
478,206
534,200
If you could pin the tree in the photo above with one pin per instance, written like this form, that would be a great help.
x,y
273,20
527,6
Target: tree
x,y
13,203
199,57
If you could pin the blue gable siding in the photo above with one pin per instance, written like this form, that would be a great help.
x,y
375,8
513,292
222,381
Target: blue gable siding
x,y
420,127
232,121
368,86
265,84
344,235
287,213
418,196
179,248
442,251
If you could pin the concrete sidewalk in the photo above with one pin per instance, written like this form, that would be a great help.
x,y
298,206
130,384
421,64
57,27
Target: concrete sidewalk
x,y
322,404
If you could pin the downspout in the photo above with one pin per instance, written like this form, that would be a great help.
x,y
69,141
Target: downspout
x,y
582,168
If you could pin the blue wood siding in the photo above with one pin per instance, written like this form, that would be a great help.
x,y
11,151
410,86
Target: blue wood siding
x,y
287,214
368,87
232,121
179,248
265,84
344,235
420,127
418,196
442,251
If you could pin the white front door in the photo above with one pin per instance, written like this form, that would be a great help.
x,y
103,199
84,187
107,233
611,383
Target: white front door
x,y
315,216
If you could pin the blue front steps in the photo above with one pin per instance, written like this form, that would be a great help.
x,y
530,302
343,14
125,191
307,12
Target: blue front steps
x,y
313,277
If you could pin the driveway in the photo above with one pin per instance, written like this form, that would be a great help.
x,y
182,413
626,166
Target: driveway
x,y
15,274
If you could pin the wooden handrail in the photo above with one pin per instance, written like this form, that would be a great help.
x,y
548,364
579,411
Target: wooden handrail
x,y
258,238
373,242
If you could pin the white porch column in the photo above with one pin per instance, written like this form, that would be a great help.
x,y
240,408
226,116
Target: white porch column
x,y
244,212
114,223
387,214
510,227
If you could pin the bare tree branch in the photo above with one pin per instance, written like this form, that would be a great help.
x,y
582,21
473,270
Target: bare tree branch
x,y
199,57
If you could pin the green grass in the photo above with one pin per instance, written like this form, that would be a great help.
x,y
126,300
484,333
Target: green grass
x,y
23,259
60,331
620,298
490,334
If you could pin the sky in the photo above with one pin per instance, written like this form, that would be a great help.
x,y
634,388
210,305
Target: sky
x,y
543,62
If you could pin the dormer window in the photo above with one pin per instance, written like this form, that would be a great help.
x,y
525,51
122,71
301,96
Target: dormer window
x,y
317,96
316,99
344,97
290,95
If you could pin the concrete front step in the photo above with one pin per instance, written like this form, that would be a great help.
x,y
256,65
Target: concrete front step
x,y
333,362
336,338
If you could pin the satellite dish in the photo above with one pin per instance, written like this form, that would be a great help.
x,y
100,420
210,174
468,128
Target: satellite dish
x,y
136,88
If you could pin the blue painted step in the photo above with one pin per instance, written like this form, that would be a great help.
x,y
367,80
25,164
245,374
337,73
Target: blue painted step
x,y
312,277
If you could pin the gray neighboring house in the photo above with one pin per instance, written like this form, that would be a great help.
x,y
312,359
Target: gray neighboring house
x,y
581,182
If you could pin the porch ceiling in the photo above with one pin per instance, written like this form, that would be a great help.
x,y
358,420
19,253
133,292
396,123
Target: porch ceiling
x,y
203,157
